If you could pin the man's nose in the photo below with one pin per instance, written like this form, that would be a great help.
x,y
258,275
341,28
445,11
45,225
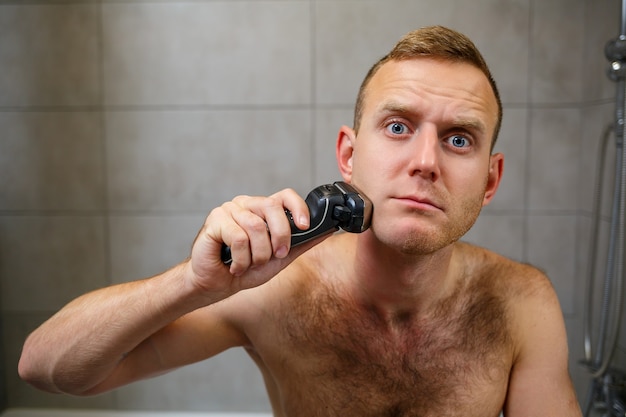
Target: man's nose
x,y
425,154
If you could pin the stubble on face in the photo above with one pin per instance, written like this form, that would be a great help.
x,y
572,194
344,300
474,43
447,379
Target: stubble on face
x,y
461,218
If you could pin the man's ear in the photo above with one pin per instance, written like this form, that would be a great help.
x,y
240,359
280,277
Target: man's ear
x,y
496,167
345,151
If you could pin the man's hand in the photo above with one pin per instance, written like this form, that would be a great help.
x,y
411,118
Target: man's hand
x,y
259,235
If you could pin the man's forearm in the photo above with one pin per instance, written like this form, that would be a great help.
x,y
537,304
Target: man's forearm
x,y
83,343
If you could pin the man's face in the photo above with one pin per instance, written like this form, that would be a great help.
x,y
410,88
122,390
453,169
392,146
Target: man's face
x,y
422,153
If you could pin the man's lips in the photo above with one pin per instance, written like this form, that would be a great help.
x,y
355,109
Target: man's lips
x,y
419,203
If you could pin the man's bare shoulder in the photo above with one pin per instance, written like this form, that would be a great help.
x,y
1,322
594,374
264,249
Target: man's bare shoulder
x,y
537,331
518,282
528,292
530,298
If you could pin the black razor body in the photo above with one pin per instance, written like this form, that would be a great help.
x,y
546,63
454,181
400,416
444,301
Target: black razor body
x,y
331,207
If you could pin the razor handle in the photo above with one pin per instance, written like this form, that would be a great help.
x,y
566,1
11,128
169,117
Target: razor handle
x,y
331,207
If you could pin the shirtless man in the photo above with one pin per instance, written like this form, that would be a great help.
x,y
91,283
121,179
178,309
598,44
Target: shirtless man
x,y
401,320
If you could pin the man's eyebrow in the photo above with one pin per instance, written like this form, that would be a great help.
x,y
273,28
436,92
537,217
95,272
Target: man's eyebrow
x,y
470,124
394,107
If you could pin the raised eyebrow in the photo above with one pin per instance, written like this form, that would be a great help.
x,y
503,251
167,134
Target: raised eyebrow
x,y
394,107
470,124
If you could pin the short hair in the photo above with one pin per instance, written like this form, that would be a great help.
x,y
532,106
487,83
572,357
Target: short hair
x,y
434,42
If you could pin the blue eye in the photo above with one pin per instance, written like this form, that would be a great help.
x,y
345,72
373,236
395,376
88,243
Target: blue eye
x,y
458,141
396,128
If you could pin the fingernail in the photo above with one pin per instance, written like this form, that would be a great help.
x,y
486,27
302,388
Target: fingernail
x,y
281,252
304,221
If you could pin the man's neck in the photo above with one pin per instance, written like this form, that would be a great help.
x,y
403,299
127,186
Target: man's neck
x,y
396,284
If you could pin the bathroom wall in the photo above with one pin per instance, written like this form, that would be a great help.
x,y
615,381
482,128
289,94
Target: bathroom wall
x,y
598,110
122,123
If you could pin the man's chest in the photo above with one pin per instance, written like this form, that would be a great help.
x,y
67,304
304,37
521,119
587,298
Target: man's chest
x,y
334,360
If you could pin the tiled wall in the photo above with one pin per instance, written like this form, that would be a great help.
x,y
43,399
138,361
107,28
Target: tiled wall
x,y
122,123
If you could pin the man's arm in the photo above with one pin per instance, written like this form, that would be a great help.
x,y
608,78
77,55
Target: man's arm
x,y
123,333
109,337
540,384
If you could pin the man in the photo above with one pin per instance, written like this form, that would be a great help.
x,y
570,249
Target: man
x,y
401,320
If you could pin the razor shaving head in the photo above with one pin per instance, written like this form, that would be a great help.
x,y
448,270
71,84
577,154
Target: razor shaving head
x,y
356,213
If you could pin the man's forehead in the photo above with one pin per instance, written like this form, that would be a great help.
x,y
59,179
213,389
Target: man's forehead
x,y
397,84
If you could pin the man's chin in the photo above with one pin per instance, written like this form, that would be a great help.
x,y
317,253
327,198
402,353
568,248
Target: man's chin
x,y
416,242
421,245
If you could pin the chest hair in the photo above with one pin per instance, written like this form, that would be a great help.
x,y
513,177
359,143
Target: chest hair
x,y
355,363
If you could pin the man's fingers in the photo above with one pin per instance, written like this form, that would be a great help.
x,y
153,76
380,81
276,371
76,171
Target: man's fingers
x,y
257,228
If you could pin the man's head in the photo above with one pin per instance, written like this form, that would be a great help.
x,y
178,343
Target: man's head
x,y
421,148
432,42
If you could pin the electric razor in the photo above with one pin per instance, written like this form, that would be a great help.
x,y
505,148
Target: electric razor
x,y
331,207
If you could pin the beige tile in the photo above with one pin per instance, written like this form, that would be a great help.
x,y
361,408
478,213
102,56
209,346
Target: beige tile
x,y
49,55
503,234
552,248
596,119
513,143
51,161
145,245
216,384
555,159
218,53
47,261
196,160
602,25
557,51
359,32
500,29
363,31
328,122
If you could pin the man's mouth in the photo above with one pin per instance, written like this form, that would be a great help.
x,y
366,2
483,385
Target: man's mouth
x,y
419,203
